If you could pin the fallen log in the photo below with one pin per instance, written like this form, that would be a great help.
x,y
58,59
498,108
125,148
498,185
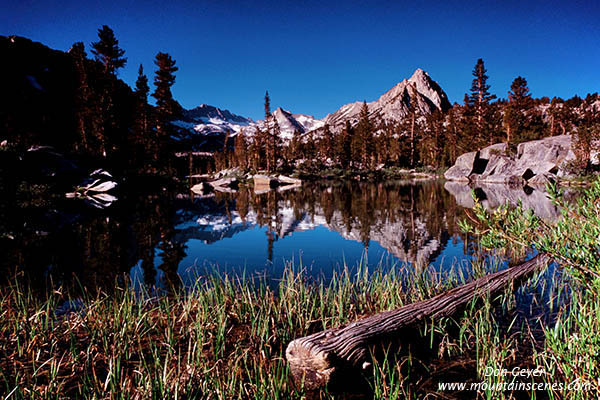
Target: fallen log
x,y
314,359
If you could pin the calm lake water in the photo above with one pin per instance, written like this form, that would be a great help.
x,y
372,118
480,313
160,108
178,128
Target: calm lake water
x,y
171,238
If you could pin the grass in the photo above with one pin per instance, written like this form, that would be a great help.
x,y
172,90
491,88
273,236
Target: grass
x,y
225,338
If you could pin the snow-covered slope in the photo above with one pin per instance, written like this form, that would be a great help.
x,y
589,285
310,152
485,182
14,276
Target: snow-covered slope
x,y
208,120
420,91
288,123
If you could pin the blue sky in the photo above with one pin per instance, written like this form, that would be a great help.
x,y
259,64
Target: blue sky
x,y
315,57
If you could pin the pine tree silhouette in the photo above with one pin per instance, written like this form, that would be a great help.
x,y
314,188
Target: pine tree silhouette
x,y
107,50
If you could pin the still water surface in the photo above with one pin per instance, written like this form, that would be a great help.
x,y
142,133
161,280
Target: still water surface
x,y
170,238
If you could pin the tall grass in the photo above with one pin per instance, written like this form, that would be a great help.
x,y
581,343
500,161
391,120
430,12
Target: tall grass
x,y
226,336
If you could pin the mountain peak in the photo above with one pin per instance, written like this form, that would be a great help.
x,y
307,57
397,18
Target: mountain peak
x,y
418,91
289,123
419,74
280,111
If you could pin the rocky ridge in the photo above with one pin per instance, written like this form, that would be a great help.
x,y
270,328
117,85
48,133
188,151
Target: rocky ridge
x,y
419,91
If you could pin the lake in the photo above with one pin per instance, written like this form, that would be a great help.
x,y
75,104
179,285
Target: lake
x,y
167,237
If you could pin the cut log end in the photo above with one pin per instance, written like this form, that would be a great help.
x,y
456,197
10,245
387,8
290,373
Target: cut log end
x,y
310,367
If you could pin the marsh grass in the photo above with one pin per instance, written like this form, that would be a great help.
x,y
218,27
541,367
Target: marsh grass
x,y
225,337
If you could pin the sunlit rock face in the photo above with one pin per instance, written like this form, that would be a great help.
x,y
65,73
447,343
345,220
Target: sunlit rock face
x,y
419,91
535,163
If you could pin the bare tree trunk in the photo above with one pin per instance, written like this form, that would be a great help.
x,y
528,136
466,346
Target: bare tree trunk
x,y
315,359
412,140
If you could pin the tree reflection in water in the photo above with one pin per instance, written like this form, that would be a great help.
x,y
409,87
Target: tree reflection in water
x,y
75,246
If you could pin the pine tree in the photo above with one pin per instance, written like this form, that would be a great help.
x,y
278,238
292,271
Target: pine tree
x,y
107,50
166,106
344,146
141,85
585,141
365,146
267,106
267,139
479,101
326,144
294,148
241,155
167,109
143,141
113,118
515,115
258,149
395,147
431,144
274,145
88,116
452,138
519,93
561,117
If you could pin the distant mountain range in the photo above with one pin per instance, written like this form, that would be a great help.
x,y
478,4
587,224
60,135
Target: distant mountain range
x,y
394,105
209,120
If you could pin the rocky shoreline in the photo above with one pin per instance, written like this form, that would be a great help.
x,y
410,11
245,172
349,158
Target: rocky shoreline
x,y
534,163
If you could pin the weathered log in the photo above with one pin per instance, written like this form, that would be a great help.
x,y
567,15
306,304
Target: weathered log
x,y
314,359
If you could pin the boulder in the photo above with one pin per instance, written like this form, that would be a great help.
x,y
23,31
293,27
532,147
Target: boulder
x,y
500,169
94,189
289,187
224,189
547,157
494,149
462,168
541,180
264,181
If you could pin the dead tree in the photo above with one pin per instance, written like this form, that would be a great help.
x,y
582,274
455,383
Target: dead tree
x,y
316,358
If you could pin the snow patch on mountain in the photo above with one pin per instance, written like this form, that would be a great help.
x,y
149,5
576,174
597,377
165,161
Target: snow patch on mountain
x,y
210,120
419,92
289,123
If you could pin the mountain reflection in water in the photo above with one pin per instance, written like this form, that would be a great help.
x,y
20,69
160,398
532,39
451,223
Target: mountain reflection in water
x,y
168,238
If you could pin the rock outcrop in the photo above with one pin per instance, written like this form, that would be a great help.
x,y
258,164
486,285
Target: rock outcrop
x,y
535,163
420,91
209,125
